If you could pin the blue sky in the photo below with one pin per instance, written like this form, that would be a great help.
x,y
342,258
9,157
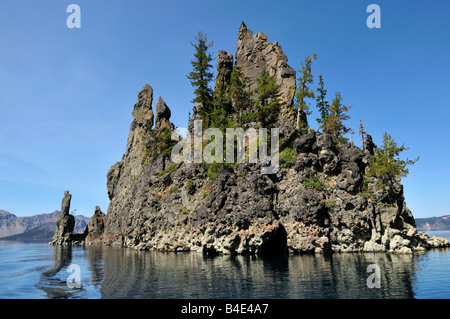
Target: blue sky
x,y
66,95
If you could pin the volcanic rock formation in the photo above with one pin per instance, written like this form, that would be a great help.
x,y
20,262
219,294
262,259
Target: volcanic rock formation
x,y
316,204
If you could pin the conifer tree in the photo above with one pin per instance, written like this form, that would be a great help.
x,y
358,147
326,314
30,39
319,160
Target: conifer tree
x,y
334,122
322,104
267,104
387,163
201,75
221,107
239,93
303,92
362,132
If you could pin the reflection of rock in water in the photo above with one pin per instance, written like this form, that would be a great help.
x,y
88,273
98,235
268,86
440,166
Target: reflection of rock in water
x,y
95,262
115,272
345,276
52,282
127,273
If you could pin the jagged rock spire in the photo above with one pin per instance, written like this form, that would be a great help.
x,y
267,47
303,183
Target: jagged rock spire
x,y
96,225
254,52
65,223
143,113
224,68
163,114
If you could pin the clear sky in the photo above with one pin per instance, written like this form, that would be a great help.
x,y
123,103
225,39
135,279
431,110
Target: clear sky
x,y
66,95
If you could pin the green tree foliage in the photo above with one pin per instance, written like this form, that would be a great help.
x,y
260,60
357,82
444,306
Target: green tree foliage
x,y
304,92
161,143
387,164
267,104
166,142
322,104
287,157
334,121
362,132
313,180
221,107
239,94
201,75
190,187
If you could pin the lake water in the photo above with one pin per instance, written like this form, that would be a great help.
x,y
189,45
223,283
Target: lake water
x,y
36,271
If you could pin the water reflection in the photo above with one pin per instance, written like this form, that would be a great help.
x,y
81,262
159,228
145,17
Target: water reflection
x,y
110,272
50,281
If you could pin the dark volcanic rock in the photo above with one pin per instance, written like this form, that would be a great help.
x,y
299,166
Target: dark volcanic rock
x,y
133,182
96,225
306,143
162,116
224,67
65,223
143,113
370,145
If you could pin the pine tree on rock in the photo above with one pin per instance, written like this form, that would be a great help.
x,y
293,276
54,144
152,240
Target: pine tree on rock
x,y
334,122
362,132
387,165
267,104
221,107
304,92
201,75
239,94
322,104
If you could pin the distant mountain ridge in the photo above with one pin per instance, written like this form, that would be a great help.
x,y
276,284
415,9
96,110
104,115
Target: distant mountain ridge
x,y
11,225
433,223
43,233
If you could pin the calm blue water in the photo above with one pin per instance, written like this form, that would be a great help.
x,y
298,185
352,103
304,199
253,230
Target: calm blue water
x,y
34,271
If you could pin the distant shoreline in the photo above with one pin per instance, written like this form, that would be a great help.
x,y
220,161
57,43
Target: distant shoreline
x,y
433,223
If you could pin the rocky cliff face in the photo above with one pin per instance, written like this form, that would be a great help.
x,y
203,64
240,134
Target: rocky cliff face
x,y
316,204
129,182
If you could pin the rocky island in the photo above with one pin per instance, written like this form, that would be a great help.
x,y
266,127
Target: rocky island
x,y
322,198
